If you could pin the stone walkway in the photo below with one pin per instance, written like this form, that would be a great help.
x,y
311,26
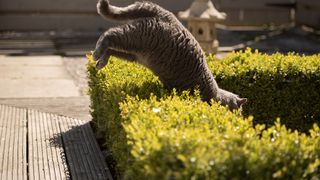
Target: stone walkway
x,y
48,83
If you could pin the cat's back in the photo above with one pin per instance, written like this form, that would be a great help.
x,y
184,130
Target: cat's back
x,y
169,32
166,41
170,51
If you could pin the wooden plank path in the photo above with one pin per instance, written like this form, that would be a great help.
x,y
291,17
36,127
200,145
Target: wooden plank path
x,y
39,146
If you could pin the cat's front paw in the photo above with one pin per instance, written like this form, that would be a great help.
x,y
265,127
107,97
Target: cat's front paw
x,y
101,57
96,54
102,60
100,64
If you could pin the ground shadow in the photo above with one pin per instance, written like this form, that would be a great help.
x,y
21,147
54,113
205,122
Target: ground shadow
x,y
80,151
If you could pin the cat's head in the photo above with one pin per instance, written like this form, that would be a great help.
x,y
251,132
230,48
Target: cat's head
x,y
233,101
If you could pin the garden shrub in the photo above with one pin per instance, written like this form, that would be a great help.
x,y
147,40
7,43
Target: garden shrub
x,y
154,133
174,138
285,86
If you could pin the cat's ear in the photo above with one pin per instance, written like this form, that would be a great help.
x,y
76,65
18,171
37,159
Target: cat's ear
x,y
242,101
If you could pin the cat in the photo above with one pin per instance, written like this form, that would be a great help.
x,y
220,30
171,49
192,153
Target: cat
x,y
155,38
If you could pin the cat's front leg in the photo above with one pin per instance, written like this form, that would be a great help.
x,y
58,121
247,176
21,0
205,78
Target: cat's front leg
x,y
100,53
111,52
119,41
122,55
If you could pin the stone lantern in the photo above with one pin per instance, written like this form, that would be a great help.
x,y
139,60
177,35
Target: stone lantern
x,y
201,18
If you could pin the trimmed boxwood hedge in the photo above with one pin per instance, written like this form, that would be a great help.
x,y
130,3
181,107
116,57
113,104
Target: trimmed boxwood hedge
x,y
153,133
285,86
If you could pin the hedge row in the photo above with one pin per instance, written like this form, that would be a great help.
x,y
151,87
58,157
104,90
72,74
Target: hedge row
x,y
285,86
153,133
175,138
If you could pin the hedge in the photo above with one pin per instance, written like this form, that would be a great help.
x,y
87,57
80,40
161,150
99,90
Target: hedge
x,y
186,139
153,133
285,86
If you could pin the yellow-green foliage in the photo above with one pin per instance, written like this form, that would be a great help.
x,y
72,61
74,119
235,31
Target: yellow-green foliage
x,y
285,86
108,88
175,138
152,133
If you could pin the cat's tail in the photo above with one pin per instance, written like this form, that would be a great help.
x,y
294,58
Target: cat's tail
x,y
133,11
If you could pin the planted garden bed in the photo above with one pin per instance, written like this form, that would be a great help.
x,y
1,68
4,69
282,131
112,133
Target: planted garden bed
x,y
153,133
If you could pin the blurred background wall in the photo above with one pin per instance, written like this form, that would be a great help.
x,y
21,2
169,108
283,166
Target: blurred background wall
x,y
81,14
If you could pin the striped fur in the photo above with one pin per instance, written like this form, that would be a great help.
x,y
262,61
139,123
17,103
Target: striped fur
x,y
155,38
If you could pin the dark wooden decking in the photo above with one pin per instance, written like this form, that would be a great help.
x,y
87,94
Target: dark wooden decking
x,y
40,146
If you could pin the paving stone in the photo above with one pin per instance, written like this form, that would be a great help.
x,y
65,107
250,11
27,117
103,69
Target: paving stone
x,y
35,76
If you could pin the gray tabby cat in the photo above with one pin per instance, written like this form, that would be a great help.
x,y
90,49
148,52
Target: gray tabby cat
x,y
156,39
